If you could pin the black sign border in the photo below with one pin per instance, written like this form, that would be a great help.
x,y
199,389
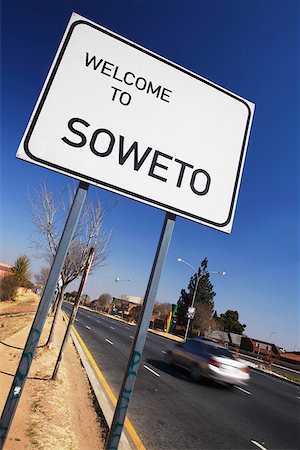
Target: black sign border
x,y
107,185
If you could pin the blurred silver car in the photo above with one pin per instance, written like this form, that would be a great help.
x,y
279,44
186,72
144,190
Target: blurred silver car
x,y
209,360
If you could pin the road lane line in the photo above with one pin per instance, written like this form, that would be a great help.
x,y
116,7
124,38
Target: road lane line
x,y
131,337
98,321
165,353
133,434
112,328
243,390
76,320
298,397
259,445
152,371
111,343
87,327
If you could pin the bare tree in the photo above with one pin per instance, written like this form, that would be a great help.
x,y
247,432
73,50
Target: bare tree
x,y
161,310
204,320
49,214
102,302
42,276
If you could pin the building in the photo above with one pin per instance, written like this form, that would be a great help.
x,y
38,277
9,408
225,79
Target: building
x,y
5,270
126,305
291,358
259,347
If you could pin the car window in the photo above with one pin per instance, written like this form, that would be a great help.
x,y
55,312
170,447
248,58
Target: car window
x,y
219,351
194,347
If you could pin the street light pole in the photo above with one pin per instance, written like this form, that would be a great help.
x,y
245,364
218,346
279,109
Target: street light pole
x,y
192,306
271,334
195,290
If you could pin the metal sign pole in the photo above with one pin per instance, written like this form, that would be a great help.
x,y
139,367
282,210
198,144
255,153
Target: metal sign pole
x,y
41,314
141,333
74,312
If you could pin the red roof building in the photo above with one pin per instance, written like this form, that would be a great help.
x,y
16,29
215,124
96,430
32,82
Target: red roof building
x,y
5,269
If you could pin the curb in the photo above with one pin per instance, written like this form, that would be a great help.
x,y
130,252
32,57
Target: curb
x,y
171,337
129,439
104,404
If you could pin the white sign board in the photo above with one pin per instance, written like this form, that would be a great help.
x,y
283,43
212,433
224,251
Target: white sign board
x,y
191,312
121,117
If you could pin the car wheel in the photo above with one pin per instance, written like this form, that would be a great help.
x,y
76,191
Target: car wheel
x,y
195,373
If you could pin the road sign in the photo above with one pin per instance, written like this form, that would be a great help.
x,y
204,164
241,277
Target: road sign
x,y
119,116
191,312
60,281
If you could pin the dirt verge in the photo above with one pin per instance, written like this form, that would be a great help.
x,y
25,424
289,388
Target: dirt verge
x,y
50,415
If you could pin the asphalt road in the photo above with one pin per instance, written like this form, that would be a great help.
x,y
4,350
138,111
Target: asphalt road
x,y
274,367
169,411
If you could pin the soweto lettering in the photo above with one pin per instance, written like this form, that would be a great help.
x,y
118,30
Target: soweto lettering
x,y
103,142
128,78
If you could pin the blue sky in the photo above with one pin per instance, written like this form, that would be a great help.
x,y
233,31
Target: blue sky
x,y
250,48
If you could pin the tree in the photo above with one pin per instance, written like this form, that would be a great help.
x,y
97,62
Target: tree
x,y
70,296
18,278
8,288
204,296
49,213
85,299
204,320
230,322
161,310
21,271
42,276
102,302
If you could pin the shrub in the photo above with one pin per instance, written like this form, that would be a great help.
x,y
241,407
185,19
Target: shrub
x,y
8,288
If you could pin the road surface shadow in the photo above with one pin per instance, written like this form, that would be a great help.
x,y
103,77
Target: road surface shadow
x,y
11,346
170,370
183,374
20,348
28,378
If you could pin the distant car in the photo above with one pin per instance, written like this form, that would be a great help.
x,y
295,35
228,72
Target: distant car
x,y
209,360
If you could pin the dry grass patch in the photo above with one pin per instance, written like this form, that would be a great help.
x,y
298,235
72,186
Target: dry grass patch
x,y
52,415
49,425
15,315
13,324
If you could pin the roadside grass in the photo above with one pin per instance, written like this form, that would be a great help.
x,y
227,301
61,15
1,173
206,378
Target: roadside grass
x,y
52,418
15,315
49,406
287,376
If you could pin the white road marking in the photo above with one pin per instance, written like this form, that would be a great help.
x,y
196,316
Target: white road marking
x,y
152,371
259,445
243,390
112,328
298,397
87,327
98,321
76,320
111,343
165,353
131,337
